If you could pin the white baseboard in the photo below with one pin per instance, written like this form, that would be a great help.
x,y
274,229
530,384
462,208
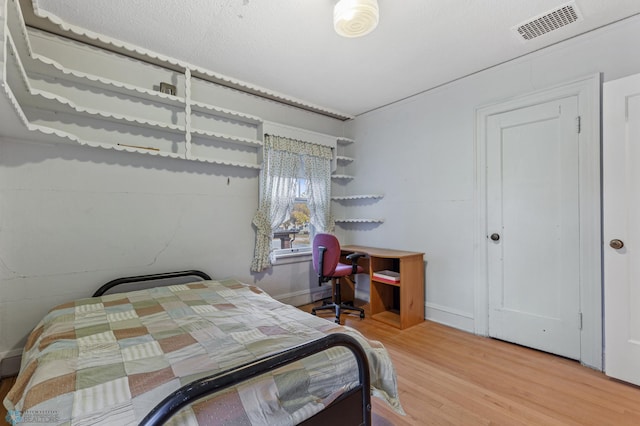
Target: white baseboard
x,y
363,295
451,317
302,297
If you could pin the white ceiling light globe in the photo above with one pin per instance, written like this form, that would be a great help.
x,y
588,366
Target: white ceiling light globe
x,y
355,18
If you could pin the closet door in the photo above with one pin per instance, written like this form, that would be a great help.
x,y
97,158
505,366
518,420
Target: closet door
x,y
533,218
621,160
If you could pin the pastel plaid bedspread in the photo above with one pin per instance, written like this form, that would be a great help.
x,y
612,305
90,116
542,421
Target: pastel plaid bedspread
x,y
110,360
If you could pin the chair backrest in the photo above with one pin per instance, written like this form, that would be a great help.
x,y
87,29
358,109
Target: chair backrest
x,y
331,256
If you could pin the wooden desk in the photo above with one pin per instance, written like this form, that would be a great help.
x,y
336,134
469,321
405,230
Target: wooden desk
x,y
398,304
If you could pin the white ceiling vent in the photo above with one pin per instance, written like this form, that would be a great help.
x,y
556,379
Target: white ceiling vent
x,y
549,21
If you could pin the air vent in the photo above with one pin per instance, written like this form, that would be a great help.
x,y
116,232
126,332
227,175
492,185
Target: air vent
x,y
549,21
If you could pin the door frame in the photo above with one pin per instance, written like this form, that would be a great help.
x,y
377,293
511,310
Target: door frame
x,y
588,91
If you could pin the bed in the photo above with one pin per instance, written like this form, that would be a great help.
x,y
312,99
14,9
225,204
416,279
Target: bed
x,y
199,352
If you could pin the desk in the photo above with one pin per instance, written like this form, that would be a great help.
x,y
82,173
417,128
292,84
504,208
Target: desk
x,y
400,304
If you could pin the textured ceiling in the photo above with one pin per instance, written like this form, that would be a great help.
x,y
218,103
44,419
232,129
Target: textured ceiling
x,y
289,46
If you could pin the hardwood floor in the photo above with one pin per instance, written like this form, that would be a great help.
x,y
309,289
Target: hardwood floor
x,y
449,377
5,386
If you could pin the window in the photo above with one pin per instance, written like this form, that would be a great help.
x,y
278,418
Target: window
x,y
295,186
293,235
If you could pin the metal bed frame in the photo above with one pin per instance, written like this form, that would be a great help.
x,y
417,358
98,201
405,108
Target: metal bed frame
x,y
352,408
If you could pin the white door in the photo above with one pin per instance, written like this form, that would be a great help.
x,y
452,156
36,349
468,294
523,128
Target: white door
x,y
621,190
533,226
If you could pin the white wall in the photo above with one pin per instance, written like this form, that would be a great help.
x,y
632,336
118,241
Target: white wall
x,y
420,154
73,218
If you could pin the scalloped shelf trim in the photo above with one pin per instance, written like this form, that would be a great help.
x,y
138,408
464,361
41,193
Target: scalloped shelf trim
x,y
345,177
67,103
226,138
226,163
108,115
357,197
73,138
16,106
82,32
344,159
344,141
227,113
359,220
91,79
23,24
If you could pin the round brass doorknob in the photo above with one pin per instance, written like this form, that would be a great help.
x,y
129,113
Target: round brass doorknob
x,y
616,244
495,237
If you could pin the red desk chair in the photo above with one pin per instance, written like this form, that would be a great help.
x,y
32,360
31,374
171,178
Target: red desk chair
x,y
326,263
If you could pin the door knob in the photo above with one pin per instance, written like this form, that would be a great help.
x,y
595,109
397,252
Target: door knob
x,y
495,237
616,244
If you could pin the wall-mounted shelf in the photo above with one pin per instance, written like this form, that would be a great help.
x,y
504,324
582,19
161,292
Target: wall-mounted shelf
x,y
347,205
99,99
41,65
359,220
344,141
225,113
342,177
226,138
343,159
357,197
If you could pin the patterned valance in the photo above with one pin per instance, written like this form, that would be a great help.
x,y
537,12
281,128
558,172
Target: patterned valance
x,y
279,143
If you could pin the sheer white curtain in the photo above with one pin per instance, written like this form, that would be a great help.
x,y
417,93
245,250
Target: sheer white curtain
x,y
283,158
277,194
318,173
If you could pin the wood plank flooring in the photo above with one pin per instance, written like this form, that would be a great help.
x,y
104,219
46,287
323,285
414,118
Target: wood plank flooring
x,y
5,386
450,377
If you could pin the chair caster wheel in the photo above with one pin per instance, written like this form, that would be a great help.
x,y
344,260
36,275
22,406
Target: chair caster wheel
x,y
362,315
313,313
337,321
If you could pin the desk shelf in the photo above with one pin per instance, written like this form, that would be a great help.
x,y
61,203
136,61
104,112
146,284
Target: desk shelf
x,y
391,318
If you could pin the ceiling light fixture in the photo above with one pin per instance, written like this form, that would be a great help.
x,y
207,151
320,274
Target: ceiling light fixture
x,y
355,18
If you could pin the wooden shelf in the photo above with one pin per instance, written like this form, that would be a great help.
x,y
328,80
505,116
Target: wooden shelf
x,y
388,282
388,317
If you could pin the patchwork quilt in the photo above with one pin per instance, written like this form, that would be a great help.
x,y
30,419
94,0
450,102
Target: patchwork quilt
x,y
109,360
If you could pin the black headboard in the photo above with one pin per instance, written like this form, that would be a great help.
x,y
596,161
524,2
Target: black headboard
x,y
151,277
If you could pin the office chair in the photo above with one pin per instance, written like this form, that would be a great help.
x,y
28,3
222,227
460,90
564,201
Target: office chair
x,y
326,263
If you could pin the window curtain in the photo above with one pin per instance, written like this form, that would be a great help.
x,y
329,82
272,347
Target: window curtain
x,y
318,173
283,158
